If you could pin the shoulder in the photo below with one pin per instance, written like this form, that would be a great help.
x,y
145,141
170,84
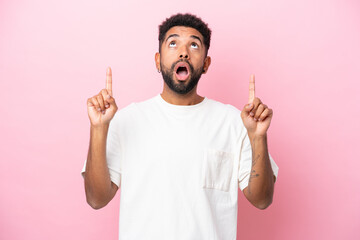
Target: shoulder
x,y
225,108
124,111
145,104
132,109
230,112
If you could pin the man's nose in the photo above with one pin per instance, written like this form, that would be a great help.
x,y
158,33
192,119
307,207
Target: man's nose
x,y
184,53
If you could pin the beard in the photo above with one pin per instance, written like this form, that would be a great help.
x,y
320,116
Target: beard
x,y
181,87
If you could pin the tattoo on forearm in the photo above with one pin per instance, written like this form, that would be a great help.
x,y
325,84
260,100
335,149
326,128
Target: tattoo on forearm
x,y
254,160
253,173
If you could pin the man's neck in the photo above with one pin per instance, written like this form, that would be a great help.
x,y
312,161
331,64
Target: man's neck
x,y
172,97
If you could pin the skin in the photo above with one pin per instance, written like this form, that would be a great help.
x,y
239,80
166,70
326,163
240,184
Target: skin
x,y
99,189
186,44
256,117
182,47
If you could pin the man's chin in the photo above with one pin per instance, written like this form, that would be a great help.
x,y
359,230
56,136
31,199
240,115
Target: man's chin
x,y
180,86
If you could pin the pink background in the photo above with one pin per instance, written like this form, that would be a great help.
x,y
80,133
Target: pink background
x,y
306,59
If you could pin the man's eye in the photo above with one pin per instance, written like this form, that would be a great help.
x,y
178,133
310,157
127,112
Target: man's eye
x,y
172,44
194,45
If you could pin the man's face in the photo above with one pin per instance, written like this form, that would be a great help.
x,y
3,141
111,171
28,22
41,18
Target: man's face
x,y
182,59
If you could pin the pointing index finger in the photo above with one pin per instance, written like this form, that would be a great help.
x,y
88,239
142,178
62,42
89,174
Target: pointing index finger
x,y
252,88
109,80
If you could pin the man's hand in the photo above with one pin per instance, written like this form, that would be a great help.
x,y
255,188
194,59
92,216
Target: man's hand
x,y
102,107
256,116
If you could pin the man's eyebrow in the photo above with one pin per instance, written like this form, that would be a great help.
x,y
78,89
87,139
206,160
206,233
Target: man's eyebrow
x,y
172,35
196,37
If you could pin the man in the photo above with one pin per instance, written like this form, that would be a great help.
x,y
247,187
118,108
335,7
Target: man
x,y
179,158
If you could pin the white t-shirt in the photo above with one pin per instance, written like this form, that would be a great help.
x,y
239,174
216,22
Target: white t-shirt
x,y
179,169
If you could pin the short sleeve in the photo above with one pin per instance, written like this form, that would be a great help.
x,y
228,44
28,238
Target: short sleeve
x,y
113,151
245,163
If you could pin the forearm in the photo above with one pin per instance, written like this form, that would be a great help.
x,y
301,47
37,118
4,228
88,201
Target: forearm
x,y
97,177
261,182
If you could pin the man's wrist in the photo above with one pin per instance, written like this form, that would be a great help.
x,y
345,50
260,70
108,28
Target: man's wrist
x,y
257,137
103,128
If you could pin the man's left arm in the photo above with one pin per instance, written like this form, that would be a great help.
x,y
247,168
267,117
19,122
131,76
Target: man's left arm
x,y
256,117
260,188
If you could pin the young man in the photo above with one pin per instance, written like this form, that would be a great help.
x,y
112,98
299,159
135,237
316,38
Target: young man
x,y
179,158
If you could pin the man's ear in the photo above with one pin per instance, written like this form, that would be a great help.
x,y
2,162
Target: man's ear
x,y
207,63
157,61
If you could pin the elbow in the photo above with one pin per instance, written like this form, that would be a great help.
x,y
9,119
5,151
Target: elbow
x,y
96,207
266,200
95,201
95,204
264,204
261,202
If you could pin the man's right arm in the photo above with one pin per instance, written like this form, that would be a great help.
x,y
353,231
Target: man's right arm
x,y
101,109
98,186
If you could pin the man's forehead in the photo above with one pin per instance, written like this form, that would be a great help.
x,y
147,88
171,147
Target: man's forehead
x,y
183,31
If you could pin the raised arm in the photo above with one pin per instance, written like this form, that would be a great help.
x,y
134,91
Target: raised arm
x,y
101,109
257,117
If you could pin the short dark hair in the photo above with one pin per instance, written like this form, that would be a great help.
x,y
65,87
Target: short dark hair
x,y
186,20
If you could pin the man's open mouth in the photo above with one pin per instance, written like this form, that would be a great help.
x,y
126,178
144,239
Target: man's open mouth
x,y
182,71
